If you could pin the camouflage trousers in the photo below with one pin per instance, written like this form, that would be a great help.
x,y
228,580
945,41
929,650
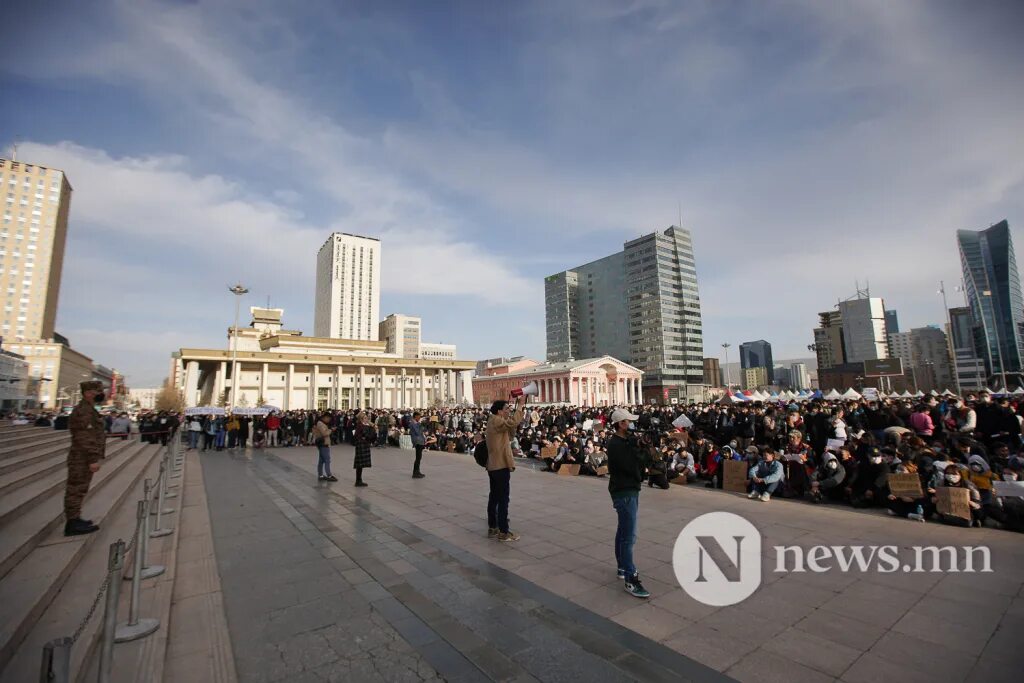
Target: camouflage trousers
x,y
79,478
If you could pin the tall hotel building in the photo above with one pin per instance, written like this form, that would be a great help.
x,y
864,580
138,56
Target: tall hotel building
x,y
641,306
348,288
32,235
994,297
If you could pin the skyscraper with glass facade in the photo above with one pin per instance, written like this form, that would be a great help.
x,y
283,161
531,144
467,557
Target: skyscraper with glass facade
x,y
640,305
992,285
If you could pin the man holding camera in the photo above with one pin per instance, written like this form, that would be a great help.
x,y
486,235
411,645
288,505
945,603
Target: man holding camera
x,y
627,460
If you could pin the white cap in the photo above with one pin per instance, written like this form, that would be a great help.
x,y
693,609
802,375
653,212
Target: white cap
x,y
620,414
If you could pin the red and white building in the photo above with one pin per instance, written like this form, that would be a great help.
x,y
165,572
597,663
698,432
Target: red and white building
x,y
600,381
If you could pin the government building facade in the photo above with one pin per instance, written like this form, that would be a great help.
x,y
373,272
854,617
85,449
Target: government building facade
x,y
283,369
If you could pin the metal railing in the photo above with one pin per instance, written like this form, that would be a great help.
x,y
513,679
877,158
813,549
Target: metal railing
x,y
56,665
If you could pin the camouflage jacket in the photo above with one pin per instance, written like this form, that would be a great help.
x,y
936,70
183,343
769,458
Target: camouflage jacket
x,y
88,440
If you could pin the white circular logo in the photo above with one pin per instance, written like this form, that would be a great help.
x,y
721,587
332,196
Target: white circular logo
x,y
717,559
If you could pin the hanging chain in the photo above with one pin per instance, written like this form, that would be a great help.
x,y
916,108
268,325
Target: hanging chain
x,y
92,610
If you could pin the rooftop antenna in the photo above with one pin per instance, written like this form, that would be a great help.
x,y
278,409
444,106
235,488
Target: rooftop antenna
x,y
680,224
14,148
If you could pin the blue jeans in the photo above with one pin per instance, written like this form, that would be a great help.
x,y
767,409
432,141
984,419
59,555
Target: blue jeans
x,y
625,535
193,439
765,488
323,461
497,501
382,436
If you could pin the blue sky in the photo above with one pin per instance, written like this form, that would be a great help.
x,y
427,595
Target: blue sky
x,y
809,145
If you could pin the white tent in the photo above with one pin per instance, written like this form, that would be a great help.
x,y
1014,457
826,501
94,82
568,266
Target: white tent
x,y
833,395
919,394
760,396
934,393
906,394
851,395
1018,391
733,398
947,392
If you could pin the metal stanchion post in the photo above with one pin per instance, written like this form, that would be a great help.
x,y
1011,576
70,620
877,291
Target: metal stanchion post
x,y
147,572
56,661
115,565
159,530
136,628
162,488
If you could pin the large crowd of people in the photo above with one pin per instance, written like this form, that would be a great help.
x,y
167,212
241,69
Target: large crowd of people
x,y
838,453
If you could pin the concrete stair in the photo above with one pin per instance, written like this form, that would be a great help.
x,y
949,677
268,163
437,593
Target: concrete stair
x,y
44,577
11,446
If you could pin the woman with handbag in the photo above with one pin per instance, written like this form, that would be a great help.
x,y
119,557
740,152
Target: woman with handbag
x,y
322,439
363,435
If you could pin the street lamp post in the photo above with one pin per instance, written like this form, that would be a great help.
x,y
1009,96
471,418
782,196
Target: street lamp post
x,y
950,346
728,372
238,290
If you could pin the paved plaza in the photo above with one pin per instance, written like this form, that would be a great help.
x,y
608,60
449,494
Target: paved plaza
x,y
398,582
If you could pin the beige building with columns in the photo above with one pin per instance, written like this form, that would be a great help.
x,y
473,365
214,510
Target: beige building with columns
x,y
602,381
286,370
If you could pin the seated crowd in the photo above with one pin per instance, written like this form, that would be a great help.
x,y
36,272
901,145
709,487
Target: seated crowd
x,y
836,453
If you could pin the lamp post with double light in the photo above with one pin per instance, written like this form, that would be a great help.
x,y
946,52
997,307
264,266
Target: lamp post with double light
x,y
238,290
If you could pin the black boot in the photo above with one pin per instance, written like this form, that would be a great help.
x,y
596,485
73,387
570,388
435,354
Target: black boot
x,y
79,527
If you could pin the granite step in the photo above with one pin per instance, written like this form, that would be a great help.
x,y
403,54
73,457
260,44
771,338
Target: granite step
x,y
28,590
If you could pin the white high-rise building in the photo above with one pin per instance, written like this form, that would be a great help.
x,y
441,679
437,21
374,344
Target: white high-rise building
x,y
348,288
799,377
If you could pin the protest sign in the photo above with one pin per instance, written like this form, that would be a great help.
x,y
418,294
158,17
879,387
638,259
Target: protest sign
x,y
734,476
834,445
569,470
905,485
1009,489
682,422
953,501
587,424
602,470
548,452
450,447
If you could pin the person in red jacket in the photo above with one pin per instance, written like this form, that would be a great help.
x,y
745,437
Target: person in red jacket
x,y
273,424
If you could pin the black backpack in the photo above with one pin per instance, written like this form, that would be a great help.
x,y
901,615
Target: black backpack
x,y
480,453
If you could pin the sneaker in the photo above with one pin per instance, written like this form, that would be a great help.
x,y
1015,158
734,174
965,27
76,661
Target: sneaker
x,y
620,573
360,483
418,475
79,527
508,537
321,478
636,589
331,477
752,495
765,497
492,532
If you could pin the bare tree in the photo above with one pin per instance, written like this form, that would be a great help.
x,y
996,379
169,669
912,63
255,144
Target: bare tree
x,y
170,398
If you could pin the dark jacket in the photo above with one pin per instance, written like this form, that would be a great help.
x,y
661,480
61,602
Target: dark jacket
x,y
626,464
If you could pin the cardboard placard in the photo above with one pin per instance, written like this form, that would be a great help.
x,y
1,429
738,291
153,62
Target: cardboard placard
x,y
905,485
680,481
602,470
793,457
1009,489
450,447
834,445
953,501
569,470
734,477
548,452
587,424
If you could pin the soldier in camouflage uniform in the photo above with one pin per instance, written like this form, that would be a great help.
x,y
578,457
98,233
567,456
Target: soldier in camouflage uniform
x,y
88,444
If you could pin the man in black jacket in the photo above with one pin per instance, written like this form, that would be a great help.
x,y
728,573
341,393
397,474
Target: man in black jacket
x,y
626,464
